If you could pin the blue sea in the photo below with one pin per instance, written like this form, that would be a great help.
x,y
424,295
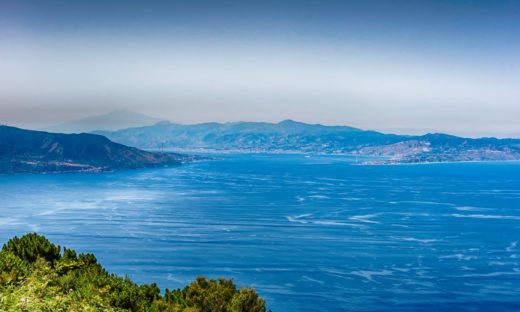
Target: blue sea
x,y
310,233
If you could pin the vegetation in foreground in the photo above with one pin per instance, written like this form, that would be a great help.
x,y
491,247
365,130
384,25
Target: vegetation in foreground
x,y
36,275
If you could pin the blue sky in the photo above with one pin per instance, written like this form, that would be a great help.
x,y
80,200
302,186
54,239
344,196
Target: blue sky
x,y
405,66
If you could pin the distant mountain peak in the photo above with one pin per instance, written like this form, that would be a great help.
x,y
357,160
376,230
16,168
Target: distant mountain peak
x,y
292,122
289,121
114,120
163,123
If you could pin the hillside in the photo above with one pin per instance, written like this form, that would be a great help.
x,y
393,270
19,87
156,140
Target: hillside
x,y
36,275
37,151
290,136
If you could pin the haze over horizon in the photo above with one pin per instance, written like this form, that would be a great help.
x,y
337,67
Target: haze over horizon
x,y
399,66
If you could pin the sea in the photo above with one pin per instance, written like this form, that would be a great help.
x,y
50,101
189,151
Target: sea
x,y
308,232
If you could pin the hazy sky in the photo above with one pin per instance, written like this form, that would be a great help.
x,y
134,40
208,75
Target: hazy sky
x,y
450,66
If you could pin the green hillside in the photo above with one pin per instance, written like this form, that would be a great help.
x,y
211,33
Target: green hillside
x,y
36,275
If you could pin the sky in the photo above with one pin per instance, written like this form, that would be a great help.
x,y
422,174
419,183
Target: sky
x,y
396,66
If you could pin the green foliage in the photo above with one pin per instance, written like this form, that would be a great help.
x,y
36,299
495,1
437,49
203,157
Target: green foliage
x,y
210,295
31,247
247,300
35,276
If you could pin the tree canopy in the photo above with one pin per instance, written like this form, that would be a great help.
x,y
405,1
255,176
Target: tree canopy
x,y
36,275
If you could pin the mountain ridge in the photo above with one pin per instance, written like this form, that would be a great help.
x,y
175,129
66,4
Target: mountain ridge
x,y
292,136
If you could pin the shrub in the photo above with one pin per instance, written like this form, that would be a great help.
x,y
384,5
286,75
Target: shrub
x,y
32,246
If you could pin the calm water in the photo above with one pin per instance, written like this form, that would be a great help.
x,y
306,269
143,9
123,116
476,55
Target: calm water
x,y
311,234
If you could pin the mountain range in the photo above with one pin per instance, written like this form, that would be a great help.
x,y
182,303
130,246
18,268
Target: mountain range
x,y
295,137
28,151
